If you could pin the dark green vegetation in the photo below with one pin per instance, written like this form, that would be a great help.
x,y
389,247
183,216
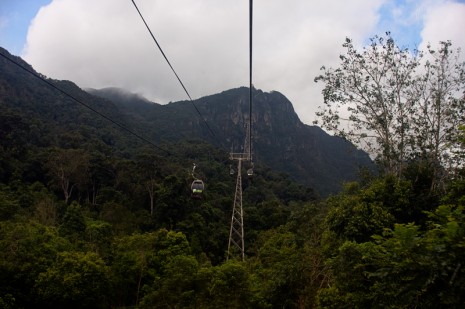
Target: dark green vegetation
x,y
91,217
281,141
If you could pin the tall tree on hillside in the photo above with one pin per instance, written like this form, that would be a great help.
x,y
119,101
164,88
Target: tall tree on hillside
x,y
68,168
396,104
148,171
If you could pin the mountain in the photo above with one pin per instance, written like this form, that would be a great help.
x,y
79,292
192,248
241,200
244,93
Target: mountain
x,y
280,140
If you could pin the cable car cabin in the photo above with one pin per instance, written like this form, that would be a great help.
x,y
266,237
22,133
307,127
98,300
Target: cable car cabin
x,y
197,188
250,172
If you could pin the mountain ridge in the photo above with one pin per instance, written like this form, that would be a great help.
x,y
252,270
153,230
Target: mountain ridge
x,y
280,140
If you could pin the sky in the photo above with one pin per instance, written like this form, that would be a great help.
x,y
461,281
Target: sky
x,y
104,43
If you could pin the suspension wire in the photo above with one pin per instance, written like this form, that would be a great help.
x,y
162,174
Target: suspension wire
x,y
172,69
250,77
84,104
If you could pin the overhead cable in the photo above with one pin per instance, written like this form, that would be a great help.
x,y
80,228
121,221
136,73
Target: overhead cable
x,y
172,69
250,76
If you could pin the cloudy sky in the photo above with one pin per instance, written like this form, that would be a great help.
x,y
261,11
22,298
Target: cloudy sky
x,y
103,43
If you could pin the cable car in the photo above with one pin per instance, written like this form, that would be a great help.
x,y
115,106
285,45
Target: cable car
x,y
197,186
231,170
250,172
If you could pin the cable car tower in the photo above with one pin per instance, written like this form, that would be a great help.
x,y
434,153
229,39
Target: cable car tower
x,y
236,233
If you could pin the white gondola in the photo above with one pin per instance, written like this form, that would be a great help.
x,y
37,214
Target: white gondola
x,y
197,186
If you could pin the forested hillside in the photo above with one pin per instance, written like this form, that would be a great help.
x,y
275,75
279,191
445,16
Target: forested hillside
x,y
280,140
93,217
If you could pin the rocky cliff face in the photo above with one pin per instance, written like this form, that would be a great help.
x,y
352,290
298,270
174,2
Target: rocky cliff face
x,y
280,139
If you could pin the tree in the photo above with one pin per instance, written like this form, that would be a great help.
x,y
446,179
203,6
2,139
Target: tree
x,y
27,249
73,224
143,264
148,173
68,168
407,266
281,269
225,286
75,280
460,152
131,266
396,104
175,286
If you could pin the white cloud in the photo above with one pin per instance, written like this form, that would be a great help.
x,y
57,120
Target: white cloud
x,y
104,43
444,21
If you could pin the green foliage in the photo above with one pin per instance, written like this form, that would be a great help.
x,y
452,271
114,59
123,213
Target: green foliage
x,y
90,218
9,205
98,236
68,170
26,250
75,280
279,275
121,218
7,302
396,104
227,286
404,267
175,286
132,256
73,223
359,213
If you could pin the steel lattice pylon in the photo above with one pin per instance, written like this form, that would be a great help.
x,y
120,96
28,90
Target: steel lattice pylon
x,y
236,233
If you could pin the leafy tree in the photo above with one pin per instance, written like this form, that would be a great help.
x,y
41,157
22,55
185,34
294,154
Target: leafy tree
x,y
462,135
68,168
357,214
120,217
396,104
46,212
405,267
207,231
225,286
175,287
288,267
14,132
101,175
141,263
27,249
9,205
147,170
131,266
7,301
98,236
73,224
279,276
174,202
75,280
